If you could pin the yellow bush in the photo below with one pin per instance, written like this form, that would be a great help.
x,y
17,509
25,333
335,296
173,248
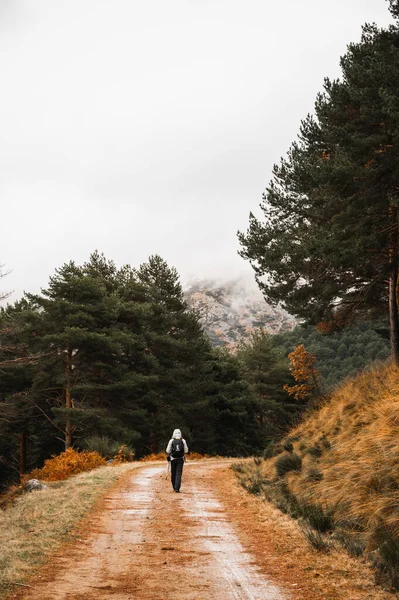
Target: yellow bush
x,y
162,456
66,464
153,456
123,455
197,456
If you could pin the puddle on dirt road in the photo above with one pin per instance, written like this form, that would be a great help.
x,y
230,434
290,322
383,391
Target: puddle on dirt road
x,y
235,565
142,496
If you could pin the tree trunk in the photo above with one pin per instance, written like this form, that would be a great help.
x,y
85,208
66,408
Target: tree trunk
x,y
68,399
393,291
393,314
22,453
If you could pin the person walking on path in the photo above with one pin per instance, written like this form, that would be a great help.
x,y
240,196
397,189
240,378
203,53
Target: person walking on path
x,y
176,449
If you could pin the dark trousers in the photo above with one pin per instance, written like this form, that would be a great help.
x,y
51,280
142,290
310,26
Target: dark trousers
x,y
176,467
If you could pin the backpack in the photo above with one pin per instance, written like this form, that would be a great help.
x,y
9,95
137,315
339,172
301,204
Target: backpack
x,y
177,450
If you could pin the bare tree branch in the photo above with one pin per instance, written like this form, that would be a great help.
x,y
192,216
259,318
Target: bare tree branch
x,y
44,414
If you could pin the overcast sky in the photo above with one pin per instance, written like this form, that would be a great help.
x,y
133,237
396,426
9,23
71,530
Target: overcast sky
x,y
151,126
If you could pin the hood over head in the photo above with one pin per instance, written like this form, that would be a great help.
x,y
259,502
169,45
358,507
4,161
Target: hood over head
x,y
177,434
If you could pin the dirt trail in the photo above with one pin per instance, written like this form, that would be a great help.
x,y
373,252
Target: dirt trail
x,y
145,541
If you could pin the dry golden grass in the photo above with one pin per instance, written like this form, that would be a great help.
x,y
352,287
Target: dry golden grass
x,y
357,435
38,522
277,542
349,449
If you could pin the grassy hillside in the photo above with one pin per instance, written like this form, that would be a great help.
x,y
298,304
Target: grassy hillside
x,y
338,472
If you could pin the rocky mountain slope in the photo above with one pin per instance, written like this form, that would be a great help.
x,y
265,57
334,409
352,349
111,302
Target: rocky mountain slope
x,y
232,310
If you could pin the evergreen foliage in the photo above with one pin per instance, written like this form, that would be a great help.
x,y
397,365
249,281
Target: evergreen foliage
x,y
116,354
328,245
107,353
341,354
266,370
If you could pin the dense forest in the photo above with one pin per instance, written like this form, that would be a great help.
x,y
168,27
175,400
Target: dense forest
x,y
107,355
343,353
115,356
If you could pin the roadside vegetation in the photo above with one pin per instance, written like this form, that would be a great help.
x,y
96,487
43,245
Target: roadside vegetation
x,y
37,523
326,246
110,357
338,473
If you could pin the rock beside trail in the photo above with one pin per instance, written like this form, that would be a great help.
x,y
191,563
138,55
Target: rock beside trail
x,y
33,485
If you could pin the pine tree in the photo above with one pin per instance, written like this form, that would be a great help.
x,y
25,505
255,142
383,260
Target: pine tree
x,y
223,419
86,351
177,343
104,351
266,369
19,418
329,243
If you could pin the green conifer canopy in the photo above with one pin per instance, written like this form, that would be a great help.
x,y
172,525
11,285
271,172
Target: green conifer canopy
x,y
327,246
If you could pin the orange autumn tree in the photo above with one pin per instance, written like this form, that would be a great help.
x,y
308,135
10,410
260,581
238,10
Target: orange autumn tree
x,y
305,373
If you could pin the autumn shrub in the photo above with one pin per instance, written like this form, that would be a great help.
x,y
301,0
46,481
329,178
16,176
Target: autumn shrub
x,y
198,456
66,464
270,450
125,454
325,442
279,494
250,477
288,462
153,456
256,482
239,467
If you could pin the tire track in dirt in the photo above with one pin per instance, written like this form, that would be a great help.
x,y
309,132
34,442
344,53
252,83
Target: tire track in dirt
x,y
146,542
235,565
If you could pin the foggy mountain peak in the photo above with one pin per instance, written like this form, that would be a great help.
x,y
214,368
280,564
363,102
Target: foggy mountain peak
x,y
232,309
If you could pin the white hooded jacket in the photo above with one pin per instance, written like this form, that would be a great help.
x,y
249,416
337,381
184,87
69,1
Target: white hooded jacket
x,y
176,436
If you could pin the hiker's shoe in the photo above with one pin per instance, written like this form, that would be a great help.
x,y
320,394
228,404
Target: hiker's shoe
x,y
177,491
